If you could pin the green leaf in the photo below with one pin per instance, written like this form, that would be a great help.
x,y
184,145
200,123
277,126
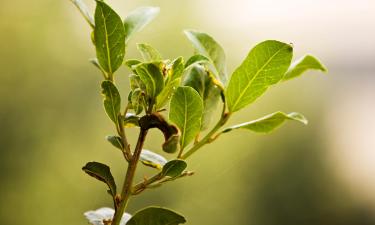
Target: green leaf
x,y
138,19
172,82
307,62
152,159
207,46
269,123
131,120
112,100
202,81
156,216
265,65
131,63
85,13
152,78
186,108
174,168
103,173
196,59
115,141
149,53
109,35
137,101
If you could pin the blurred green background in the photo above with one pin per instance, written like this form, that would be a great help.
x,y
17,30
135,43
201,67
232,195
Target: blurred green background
x,y
52,121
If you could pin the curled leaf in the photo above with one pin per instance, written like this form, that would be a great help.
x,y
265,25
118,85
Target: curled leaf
x,y
170,132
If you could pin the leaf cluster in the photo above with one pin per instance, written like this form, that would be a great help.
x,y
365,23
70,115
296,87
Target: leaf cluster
x,y
179,98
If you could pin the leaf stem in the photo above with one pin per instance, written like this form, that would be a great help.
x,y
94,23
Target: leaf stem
x,y
126,147
209,137
128,182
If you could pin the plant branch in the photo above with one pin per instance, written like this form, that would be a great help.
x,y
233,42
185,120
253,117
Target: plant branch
x,y
128,182
126,147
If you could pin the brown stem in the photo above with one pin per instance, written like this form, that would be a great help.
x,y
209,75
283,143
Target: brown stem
x,y
128,182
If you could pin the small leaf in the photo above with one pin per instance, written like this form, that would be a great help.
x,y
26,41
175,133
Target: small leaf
x,y
138,19
265,65
137,101
152,78
131,120
174,168
199,79
149,53
269,123
186,108
152,159
208,47
109,35
85,13
156,216
112,100
196,59
307,62
115,141
172,82
103,173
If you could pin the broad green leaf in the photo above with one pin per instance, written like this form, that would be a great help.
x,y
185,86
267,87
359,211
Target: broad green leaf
x,y
201,80
269,123
186,108
84,11
172,82
109,35
265,65
138,19
207,46
152,78
196,59
115,141
307,62
156,216
152,159
149,53
112,100
101,172
174,168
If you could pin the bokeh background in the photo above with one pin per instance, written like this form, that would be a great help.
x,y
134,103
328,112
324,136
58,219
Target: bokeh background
x,y
52,121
